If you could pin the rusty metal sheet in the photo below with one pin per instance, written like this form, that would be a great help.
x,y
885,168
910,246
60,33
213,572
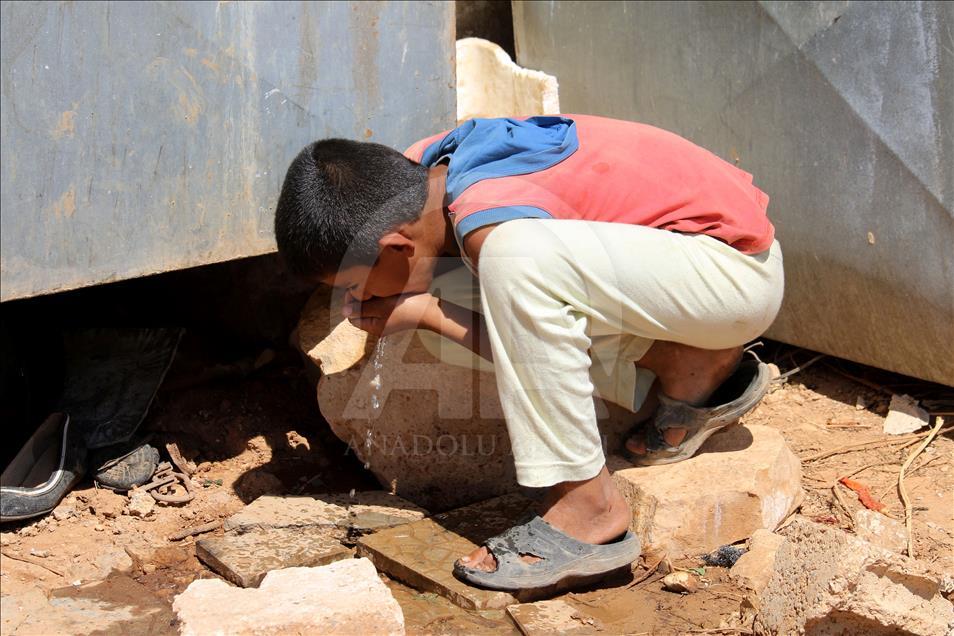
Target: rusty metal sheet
x,y
843,111
142,137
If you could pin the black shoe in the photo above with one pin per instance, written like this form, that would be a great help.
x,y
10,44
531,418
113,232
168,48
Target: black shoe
x,y
51,462
132,468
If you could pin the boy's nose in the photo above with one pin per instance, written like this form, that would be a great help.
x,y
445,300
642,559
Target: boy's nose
x,y
358,296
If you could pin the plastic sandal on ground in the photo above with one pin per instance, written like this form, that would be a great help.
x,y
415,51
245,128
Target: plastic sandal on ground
x,y
562,558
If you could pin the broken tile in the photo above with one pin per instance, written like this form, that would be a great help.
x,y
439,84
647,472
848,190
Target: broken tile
x,y
367,510
246,558
741,480
553,617
422,554
904,416
346,598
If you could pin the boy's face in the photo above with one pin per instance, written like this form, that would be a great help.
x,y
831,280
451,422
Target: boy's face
x,y
397,271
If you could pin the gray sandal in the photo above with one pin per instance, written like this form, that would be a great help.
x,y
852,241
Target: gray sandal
x,y
734,398
563,559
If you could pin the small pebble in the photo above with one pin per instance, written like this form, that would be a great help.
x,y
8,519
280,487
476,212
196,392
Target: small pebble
x,y
681,582
39,553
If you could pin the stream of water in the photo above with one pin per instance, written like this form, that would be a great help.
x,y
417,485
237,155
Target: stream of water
x,y
377,363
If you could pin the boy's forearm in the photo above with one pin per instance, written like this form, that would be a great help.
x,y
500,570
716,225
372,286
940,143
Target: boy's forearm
x,y
460,325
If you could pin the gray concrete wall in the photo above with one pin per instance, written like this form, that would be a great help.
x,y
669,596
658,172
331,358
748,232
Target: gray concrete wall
x,y
141,137
843,111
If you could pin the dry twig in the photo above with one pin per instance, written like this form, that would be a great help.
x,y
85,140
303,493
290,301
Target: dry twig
x,y
901,490
904,440
31,562
798,369
190,532
844,506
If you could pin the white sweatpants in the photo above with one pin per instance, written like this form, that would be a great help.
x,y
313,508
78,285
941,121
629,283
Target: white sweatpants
x,y
570,306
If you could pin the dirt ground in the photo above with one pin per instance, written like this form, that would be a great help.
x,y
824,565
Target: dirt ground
x,y
92,568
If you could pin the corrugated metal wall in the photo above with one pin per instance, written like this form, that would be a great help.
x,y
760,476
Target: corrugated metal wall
x,y
141,137
843,111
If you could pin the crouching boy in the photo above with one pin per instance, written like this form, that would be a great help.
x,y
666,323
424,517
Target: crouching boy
x,y
604,249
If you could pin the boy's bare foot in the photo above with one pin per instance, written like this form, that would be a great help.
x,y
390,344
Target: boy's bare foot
x,y
592,511
688,374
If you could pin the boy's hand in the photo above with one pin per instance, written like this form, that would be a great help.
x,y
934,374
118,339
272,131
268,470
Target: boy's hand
x,y
381,316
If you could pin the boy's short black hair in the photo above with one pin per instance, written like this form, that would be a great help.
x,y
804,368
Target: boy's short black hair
x,y
339,198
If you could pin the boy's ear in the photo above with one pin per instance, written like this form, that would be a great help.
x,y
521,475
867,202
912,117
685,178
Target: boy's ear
x,y
398,242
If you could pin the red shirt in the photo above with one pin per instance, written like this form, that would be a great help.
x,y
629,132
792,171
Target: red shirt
x,y
624,172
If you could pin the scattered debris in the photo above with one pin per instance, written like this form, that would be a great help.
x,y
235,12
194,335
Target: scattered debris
x,y
180,462
784,376
724,557
141,503
296,440
864,494
190,532
344,598
62,513
904,416
169,486
106,503
902,441
848,422
681,582
743,479
32,561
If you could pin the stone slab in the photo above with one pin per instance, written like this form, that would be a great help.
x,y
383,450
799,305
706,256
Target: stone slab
x,y
826,581
544,618
367,510
880,530
741,480
754,568
489,84
344,598
246,558
422,554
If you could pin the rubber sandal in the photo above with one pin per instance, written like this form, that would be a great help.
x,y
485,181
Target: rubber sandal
x,y
734,398
563,559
